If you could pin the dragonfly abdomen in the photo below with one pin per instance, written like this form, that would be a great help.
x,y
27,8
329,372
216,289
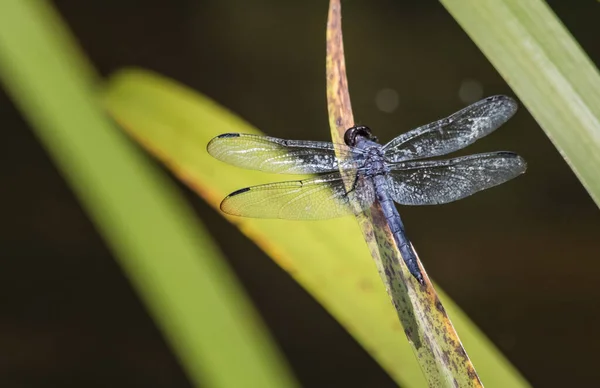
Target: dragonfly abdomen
x,y
396,226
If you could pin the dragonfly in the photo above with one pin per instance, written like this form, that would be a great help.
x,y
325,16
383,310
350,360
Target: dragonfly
x,y
394,172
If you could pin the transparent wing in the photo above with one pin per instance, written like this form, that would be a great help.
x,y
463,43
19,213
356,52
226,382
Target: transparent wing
x,y
443,181
452,133
311,199
281,156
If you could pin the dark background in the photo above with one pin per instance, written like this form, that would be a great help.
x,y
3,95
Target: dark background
x,y
521,259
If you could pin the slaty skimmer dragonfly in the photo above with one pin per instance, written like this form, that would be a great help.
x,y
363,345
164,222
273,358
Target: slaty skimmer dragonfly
x,y
385,173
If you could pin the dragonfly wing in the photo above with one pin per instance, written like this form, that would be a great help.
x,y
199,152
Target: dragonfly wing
x,y
270,154
311,199
452,133
443,181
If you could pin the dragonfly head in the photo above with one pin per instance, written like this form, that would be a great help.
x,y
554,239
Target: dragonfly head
x,y
352,134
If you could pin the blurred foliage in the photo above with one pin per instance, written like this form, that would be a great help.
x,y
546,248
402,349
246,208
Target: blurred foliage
x,y
548,70
165,251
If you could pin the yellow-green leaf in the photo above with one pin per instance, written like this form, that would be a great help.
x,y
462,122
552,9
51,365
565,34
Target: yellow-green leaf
x,y
328,258
173,264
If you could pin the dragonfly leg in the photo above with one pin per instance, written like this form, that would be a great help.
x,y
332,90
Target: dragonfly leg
x,y
354,183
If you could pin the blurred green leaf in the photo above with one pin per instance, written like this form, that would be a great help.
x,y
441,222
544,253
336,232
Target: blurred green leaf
x,y
547,69
163,248
328,258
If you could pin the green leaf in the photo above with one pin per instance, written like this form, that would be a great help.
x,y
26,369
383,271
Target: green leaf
x,y
547,69
328,258
161,246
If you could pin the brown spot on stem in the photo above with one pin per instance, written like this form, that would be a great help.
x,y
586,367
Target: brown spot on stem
x,y
439,306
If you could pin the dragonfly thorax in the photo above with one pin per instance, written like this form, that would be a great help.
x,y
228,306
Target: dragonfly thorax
x,y
361,138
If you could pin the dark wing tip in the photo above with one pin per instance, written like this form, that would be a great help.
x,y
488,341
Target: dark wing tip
x,y
222,136
237,192
507,153
225,205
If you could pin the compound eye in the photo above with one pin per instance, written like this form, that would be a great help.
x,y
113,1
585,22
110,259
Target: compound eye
x,y
351,135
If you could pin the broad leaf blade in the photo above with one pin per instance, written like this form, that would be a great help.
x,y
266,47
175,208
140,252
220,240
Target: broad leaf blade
x,y
175,124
